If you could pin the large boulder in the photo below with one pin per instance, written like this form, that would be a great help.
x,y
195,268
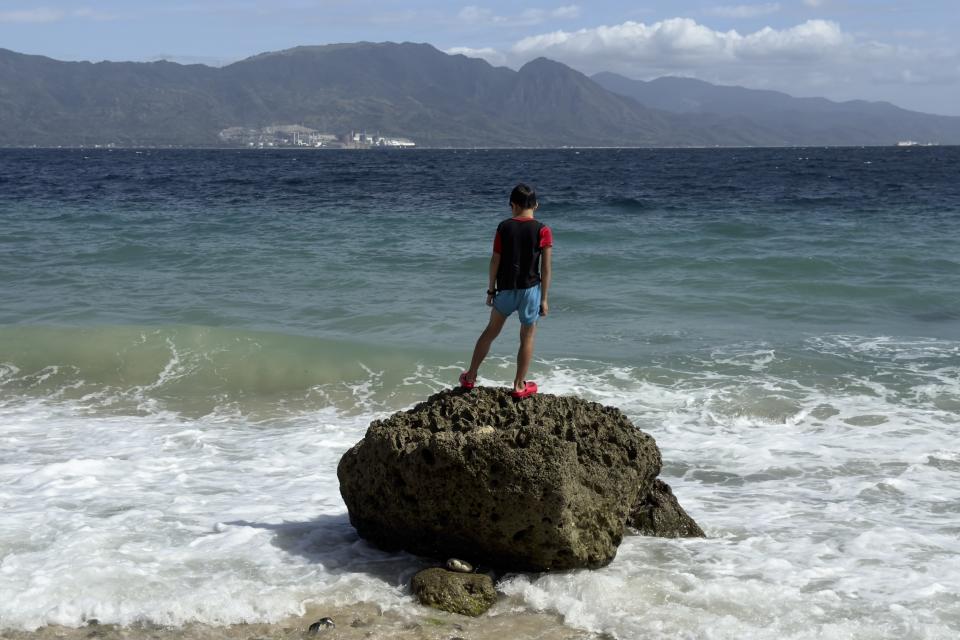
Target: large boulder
x,y
539,484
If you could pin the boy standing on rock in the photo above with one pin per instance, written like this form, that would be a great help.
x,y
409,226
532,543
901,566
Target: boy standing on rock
x,y
519,281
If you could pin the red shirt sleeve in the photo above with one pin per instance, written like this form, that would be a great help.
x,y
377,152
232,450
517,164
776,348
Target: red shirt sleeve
x,y
496,242
546,237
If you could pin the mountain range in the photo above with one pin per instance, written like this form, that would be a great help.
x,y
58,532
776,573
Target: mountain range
x,y
417,91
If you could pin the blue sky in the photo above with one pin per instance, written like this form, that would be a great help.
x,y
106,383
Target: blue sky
x,y
904,52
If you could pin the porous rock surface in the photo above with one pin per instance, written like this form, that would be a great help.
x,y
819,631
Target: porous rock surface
x,y
469,594
658,513
544,483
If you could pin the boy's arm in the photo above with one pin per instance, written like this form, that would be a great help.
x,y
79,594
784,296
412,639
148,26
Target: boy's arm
x,y
546,270
492,282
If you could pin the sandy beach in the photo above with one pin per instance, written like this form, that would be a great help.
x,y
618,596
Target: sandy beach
x,y
506,620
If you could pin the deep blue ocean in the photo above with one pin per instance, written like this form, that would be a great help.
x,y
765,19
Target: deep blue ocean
x,y
192,338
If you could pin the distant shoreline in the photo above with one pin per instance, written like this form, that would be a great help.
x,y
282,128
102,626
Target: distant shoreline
x,y
425,148
408,93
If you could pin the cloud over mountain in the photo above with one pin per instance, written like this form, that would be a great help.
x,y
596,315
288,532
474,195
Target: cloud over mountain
x,y
814,57
683,41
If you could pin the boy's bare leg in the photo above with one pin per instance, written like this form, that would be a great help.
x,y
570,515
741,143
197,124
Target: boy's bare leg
x,y
486,339
524,355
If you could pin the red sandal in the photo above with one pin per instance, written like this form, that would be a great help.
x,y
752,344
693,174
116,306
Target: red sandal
x,y
465,383
529,388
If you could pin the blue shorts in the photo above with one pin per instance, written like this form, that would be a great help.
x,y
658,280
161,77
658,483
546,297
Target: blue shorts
x,y
526,302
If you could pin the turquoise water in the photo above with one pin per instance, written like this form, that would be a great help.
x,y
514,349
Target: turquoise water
x,y
652,246
662,257
192,338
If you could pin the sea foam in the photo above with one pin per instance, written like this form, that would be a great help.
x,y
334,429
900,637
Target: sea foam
x,y
829,500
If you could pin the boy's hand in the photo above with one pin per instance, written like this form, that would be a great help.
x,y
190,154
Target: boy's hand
x,y
544,307
489,300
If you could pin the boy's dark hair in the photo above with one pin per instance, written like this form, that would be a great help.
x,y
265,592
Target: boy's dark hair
x,y
523,196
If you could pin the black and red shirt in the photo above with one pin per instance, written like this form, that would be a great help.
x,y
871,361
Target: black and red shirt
x,y
520,242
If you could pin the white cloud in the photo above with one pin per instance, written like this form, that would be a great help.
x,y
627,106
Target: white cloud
x,y
475,14
526,18
684,41
816,57
568,12
912,34
492,56
816,4
745,10
41,14
45,15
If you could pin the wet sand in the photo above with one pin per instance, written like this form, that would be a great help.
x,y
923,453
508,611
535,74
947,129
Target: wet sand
x,y
354,622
